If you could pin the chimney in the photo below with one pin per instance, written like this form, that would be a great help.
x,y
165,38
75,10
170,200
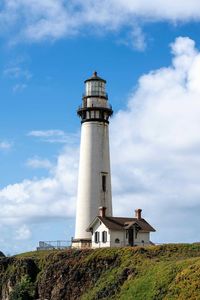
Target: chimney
x,y
102,211
138,214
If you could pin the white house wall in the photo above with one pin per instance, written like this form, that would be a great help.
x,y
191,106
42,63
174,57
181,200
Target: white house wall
x,y
142,236
112,235
120,235
100,228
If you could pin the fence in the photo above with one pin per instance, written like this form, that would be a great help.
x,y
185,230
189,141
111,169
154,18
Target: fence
x,y
51,245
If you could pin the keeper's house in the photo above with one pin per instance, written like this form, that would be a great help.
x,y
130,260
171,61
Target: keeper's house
x,y
118,231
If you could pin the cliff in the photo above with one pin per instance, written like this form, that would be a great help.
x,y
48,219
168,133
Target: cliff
x,y
155,272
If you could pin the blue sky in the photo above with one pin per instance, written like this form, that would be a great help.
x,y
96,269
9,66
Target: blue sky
x,y
150,58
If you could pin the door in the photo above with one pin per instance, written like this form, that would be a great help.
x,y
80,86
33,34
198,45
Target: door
x,y
130,237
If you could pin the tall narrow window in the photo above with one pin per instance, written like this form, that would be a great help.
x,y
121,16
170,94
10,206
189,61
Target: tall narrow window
x,y
96,237
104,183
104,236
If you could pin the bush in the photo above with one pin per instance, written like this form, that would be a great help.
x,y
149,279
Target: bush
x,y
24,290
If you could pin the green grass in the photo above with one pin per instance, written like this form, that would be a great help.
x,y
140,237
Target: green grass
x,y
156,272
152,273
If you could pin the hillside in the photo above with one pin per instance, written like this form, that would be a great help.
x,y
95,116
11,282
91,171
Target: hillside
x,y
156,272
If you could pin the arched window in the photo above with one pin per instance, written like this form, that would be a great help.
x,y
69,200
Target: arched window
x,y
117,241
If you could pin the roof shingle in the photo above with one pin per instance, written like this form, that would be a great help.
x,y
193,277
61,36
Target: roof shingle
x,y
120,223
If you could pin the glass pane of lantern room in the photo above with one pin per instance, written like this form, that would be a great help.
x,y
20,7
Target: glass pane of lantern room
x,y
94,87
88,88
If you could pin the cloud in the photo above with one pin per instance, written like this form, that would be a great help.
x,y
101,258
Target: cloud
x,y
135,39
19,87
53,136
156,160
38,163
47,198
46,133
36,20
17,72
23,233
5,145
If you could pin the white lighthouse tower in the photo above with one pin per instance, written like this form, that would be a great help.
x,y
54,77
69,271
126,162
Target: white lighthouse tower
x,y
94,182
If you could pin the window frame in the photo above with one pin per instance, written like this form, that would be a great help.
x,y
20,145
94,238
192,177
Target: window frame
x,y
104,236
96,237
104,181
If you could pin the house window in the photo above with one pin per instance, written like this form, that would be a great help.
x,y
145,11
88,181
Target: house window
x,y
96,237
117,241
104,236
104,183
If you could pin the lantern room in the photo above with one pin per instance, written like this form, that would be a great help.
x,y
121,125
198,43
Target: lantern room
x,y
95,87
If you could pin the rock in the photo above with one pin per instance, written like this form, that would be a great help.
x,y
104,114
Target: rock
x,y
1,254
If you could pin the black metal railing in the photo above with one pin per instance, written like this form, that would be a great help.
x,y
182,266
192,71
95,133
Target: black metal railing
x,y
95,94
109,106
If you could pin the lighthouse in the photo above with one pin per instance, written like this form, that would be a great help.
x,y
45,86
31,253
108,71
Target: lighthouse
x,y
94,180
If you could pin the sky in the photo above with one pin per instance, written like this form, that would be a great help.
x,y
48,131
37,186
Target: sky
x,y
149,53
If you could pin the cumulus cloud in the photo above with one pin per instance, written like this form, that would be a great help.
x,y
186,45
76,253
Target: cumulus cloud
x,y
156,160
36,20
155,154
37,199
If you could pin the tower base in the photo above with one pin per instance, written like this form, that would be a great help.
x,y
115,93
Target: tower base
x,y
81,243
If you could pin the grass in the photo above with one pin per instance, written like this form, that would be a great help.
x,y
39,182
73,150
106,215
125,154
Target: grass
x,y
152,273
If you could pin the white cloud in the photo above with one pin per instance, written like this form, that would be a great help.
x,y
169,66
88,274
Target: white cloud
x,y
135,38
37,199
53,136
38,163
23,233
156,161
36,20
46,133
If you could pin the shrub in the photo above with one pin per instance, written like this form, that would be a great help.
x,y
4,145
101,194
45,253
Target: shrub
x,y
24,290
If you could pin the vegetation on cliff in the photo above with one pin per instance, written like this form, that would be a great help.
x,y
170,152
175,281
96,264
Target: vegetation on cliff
x,y
155,272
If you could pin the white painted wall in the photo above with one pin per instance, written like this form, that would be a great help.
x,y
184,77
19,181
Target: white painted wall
x,y
100,227
94,159
142,236
120,235
112,235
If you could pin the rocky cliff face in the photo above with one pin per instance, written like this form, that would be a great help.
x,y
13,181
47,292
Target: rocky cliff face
x,y
158,272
